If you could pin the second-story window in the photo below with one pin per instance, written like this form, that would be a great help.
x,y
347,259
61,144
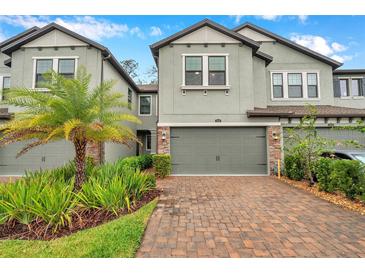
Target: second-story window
x,y
42,66
66,67
193,70
277,80
295,89
312,84
217,70
356,87
145,105
344,86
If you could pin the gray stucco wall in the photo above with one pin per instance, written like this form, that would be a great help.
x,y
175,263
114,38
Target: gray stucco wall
x,y
194,106
4,70
286,58
355,102
115,151
148,122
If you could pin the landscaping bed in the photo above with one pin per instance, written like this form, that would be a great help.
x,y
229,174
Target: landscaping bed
x,y
119,238
47,205
336,198
38,230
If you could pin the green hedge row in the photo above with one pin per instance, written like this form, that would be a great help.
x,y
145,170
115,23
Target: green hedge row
x,y
346,176
162,164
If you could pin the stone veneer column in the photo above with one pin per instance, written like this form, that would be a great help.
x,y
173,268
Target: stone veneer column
x,y
163,146
96,151
274,138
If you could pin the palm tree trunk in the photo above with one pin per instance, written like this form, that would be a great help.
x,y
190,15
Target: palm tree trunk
x,y
80,157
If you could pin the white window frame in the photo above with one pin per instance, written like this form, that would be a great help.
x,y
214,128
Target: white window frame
x,y
205,71
304,85
351,96
2,84
139,105
54,66
148,149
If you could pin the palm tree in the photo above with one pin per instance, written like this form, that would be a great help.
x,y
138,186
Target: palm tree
x,y
69,110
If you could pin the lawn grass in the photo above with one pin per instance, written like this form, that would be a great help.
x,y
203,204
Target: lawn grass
x,y
119,238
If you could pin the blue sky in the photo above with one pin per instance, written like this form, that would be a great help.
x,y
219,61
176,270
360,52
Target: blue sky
x,y
339,37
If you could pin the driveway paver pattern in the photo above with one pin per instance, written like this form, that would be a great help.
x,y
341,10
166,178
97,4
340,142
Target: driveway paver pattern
x,y
207,216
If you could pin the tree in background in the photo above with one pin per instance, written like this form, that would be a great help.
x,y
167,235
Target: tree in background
x,y
68,110
131,67
152,74
305,144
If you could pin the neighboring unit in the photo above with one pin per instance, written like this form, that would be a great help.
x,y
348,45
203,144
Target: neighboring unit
x,y
27,56
225,96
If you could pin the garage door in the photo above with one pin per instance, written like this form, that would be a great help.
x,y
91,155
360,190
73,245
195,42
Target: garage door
x,y
43,157
340,135
219,150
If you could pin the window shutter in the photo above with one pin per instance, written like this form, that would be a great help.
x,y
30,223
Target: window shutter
x,y
336,87
363,86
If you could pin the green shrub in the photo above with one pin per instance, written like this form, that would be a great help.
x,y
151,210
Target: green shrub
x,y
17,200
145,161
323,172
55,203
348,177
116,192
293,167
162,164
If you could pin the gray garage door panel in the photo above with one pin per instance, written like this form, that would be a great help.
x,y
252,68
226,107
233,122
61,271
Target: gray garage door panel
x,y
43,157
340,135
219,150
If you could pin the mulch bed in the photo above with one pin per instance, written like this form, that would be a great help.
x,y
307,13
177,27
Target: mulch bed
x,y
336,198
80,221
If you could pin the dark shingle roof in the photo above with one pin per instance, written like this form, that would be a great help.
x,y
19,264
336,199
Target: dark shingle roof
x,y
323,111
8,49
348,71
209,23
150,88
18,36
335,64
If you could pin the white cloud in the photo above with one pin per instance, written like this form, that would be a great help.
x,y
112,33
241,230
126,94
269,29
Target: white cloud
x,y
92,28
138,32
2,36
269,17
25,21
303,18
341,58
338,47
237,18
321,45
88,26
155,31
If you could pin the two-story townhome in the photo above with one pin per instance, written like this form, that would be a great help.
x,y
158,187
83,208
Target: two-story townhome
x,y
226,95
27,56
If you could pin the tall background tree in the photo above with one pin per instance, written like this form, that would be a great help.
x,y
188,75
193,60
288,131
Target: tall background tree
x,y
69,110
131,66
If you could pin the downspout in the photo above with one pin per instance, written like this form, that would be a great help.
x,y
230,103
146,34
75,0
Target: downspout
x,y
101,144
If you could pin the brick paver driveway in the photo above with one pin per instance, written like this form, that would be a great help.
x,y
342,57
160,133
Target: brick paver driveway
x,y
248,217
